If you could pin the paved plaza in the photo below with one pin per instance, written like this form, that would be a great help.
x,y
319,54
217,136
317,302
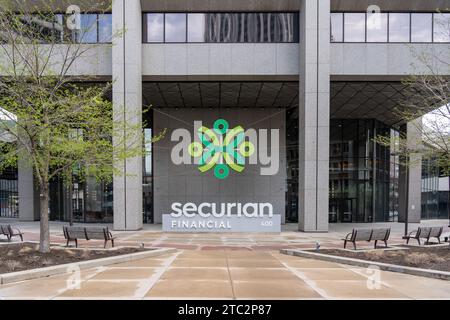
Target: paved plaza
x,y
233,266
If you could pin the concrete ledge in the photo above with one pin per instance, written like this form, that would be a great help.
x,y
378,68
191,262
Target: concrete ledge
x,y
72,267
364,263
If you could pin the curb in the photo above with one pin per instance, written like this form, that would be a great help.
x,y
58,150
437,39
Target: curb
x,y
442,275
76,266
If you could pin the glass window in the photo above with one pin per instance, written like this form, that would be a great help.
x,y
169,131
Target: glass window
x,y
377,27
175,27
421,25
337,25
221,27
441,27
196,27
88,32
155,27
104,28
399,27
355,27
288,27
59,27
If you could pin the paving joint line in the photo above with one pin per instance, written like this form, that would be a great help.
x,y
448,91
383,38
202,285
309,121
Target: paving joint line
x,y
304,278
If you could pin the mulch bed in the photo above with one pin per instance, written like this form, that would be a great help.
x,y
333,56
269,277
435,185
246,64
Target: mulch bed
x,y
26,256
434,258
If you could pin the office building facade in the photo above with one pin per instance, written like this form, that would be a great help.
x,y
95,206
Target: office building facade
x,y
310,83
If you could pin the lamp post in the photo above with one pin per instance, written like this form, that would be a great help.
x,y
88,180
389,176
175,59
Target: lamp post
x,y
406,196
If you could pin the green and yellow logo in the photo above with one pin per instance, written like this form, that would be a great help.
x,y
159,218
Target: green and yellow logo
x,y
221,149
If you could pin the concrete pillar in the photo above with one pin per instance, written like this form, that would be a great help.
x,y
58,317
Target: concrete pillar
x,y
127,100
314,109
413,131
28,194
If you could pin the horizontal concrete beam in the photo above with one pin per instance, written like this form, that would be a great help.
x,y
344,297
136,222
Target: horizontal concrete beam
x,y
220,58
60,5
248,5
219,5
221,78
367,78
387,59
391,5
288,5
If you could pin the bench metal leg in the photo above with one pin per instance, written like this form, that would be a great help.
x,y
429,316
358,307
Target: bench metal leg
x,y
76,243
21,237
345,244
104,245
9,238
375,246
354,245
67,243
112,242
385,243
418,240
439,240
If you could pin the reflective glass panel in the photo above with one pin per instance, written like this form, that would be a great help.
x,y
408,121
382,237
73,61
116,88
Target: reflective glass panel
x,y
155,27
59,27
222,27
337,27
377,27
196,27
175,27
104,28
399,27
88,32
355,27
421,26
441,27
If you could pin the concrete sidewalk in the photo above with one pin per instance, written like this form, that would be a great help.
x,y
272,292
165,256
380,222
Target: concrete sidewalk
x,y
228,266
229,274
151,235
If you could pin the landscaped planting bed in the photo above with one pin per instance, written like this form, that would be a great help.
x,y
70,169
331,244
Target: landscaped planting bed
x,y
26,256
434,258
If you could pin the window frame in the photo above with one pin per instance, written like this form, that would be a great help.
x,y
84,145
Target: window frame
x,y
64,16
164,28
342,27
365,27
409,28
145,38
432,28
388,28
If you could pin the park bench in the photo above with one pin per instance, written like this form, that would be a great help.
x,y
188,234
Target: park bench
x,y
425,233
381,234
87,233
446,236
9,232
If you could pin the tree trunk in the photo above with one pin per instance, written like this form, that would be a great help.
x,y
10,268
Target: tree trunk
x,y
44,244
448,200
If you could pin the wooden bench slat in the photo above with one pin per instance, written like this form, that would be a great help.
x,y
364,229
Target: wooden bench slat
x,y
363,235
375,234
436,232
380,234
8,231
87,233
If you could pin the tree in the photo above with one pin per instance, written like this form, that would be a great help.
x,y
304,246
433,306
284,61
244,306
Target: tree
x,y
427,96
52,118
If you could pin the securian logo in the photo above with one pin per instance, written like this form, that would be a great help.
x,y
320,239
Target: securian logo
x,y
224,150
221,149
